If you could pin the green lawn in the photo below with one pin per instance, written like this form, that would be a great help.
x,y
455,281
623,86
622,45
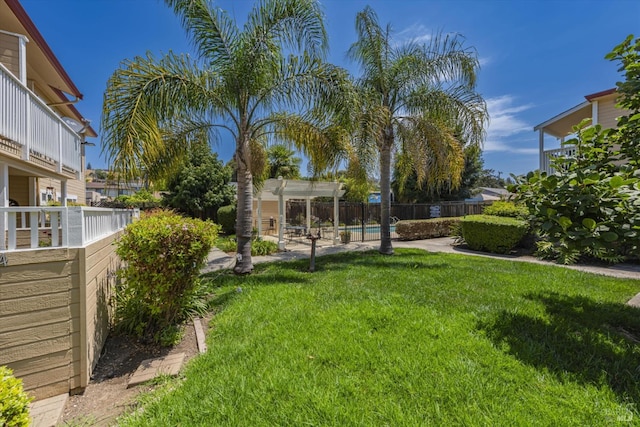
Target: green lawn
x,y
410,340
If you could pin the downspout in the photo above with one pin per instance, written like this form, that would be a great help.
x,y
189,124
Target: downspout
x,y
56,104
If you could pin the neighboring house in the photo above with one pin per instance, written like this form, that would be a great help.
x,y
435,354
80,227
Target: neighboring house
x,y
57,263
487,194
600,107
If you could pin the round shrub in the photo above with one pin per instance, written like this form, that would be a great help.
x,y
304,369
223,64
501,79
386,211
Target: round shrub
x,y
14,402
227,219
492,233
163,254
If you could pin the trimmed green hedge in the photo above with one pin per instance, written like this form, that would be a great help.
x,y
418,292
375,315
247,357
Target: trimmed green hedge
x,y
492,233
419,229
227,219
508,209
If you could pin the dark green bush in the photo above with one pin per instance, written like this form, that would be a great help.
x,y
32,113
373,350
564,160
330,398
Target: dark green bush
x,y
492,233
508,209
163,254
227,219
14,402
425,228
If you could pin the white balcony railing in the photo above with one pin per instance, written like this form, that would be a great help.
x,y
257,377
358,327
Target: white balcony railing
x,y
27,121
66,227
549,155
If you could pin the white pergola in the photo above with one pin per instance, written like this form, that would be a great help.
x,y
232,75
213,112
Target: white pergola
x,y
285,189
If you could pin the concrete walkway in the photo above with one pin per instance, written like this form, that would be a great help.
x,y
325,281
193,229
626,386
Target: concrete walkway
x,y
300,249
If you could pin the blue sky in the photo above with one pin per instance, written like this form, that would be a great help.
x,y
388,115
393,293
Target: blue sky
x,y
538,57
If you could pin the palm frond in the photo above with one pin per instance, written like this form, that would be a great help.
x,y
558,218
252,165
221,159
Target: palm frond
x,y
142,95
212,31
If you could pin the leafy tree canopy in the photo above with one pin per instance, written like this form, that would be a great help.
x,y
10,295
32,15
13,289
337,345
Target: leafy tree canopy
x,y
201,186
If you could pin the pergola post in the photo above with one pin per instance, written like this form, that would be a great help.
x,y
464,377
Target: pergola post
x,y
259,214
281,214
336,219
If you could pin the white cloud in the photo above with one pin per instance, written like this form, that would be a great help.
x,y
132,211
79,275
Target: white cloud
x,y
506,131
417,33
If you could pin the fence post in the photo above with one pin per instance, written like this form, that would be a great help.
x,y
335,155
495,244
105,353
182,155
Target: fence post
x,y
362,221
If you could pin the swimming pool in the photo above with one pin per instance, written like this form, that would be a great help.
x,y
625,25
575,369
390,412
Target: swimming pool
x,y
367,228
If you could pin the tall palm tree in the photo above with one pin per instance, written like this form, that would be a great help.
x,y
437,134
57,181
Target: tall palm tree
x,y
417,101
283,162
244,81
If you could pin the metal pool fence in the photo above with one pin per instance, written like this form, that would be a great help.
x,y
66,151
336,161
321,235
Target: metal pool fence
x,y
362,219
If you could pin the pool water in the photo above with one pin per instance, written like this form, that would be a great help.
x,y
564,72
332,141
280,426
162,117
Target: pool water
x,y
367,228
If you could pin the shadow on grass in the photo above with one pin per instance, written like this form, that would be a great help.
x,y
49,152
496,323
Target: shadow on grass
x,y
582,340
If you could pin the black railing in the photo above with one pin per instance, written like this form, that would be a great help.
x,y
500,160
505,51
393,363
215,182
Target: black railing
x,y
362,220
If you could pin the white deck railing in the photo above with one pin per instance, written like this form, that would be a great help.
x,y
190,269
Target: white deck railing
x,y
568,151
50,226
27,121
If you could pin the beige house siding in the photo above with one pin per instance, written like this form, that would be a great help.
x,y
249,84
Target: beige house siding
x,y
19,189
75,189
40,319
101,263
608,113
54,314
9,52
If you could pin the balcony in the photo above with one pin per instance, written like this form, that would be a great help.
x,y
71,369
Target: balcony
x,y
33,132
60,227
549,155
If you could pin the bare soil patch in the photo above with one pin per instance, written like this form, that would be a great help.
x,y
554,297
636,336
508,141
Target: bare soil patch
x,y
107,396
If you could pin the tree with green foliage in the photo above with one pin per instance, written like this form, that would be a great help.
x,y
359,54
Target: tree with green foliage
x,y
412,192
417,100
590,205
245,81
282,161
201,186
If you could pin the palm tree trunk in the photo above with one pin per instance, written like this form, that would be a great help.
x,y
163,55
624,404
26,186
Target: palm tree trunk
x,y
244,264
385,197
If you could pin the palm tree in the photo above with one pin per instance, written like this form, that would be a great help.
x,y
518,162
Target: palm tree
x,y
283,162
417,101
243,82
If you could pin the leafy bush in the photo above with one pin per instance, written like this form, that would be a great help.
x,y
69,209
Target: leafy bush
x,y
425,228
591,204
508,209
258,246
492,233
163,253
227,218
227,243
263,247
14,402
143,199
